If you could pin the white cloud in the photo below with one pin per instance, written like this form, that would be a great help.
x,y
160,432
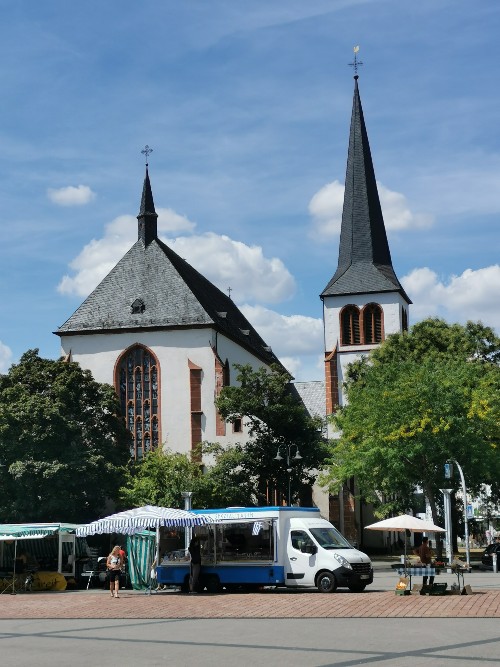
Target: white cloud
x,y
227,263
245,269
326,206
288,335
294,339
5,358
469,296
326,209
71,195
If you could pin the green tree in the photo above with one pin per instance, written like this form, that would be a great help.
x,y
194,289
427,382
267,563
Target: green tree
x,y
159,479
276,419
422,398
162,476
226,481
63,445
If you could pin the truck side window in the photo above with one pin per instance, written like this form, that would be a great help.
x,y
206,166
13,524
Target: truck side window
x,y
300,539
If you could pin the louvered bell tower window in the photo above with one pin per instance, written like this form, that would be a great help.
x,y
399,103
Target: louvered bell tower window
x,y
138,389
372,323
350,326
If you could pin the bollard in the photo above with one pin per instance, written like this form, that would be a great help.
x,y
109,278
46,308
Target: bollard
x,y
495,563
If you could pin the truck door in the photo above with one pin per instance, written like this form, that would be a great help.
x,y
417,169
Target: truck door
x,y
300,559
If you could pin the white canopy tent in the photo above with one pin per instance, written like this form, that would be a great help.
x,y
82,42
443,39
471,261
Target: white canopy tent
x,y
404,522
140,518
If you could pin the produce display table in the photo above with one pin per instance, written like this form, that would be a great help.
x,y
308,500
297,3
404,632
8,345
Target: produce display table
x,y
421,571
431,571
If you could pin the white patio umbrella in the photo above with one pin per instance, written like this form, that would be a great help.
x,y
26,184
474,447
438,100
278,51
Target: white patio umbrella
x,y
404,522
139,518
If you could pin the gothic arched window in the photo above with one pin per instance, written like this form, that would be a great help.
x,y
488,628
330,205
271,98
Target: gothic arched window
x,y
137,383
404,320
372,323
349,319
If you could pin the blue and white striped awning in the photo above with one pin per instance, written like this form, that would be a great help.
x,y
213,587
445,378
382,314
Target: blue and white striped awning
x,y
139,518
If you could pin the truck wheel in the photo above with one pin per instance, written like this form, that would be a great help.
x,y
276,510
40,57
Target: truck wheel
x,y
213,585
326,582
356,588
185,585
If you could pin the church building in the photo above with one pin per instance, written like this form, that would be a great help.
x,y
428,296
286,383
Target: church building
x,y
167,339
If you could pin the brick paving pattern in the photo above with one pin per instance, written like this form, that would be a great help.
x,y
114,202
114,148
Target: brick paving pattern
x,y
266,604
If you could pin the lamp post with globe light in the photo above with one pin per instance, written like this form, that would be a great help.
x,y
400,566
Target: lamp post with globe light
x,y
289,469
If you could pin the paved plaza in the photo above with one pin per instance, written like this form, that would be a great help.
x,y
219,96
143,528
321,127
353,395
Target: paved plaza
x,y
292,628
378,601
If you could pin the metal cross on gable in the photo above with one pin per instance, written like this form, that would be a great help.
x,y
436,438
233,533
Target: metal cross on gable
x,y
356,62
147,152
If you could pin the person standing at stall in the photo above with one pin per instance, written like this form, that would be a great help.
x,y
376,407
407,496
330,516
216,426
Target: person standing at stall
x,y
114,564
195,554
425,553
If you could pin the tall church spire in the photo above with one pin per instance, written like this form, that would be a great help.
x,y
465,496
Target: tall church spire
x,y
147,218
364,264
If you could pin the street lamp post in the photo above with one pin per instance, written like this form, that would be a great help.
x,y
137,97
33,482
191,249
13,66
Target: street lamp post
x,y
187,495
289,460
466,519
449,474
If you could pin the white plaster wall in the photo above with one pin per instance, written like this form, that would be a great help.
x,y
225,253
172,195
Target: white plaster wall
x,y
390,302
99,353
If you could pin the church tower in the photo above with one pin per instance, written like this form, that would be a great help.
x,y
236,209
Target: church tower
x,y
364,301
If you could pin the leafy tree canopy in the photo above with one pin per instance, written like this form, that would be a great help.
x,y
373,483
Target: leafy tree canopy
x,y
276,419
162,476
63,444
423,398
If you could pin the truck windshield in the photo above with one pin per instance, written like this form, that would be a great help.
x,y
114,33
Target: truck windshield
x,y
330,538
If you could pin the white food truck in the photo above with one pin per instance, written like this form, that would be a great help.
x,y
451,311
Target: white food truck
x,y
269,546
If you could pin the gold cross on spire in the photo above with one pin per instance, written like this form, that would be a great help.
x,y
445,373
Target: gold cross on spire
x,y
147,152
356,62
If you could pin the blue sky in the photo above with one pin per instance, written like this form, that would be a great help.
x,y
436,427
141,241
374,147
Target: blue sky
x,y
247,107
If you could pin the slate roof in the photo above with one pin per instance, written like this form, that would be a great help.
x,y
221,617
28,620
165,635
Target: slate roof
x,y
172,292
364,264
312,395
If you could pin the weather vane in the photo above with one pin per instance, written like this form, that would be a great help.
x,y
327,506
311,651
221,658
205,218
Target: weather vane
x,y
356,62
147,152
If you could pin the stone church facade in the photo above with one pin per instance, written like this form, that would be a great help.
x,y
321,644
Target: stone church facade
x,y
167,339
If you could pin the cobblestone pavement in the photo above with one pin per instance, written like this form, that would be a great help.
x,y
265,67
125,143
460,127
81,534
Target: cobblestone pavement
x,y
266,604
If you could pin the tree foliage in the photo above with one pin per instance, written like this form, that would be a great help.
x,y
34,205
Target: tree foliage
x,y
422,398
162,476
159,479
276,419
63,444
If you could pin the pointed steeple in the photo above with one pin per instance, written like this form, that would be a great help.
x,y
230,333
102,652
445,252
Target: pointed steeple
x,y
148,218
364,264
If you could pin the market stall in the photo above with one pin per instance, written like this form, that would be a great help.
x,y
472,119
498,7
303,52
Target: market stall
x,y
142,552
402,524
49,553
